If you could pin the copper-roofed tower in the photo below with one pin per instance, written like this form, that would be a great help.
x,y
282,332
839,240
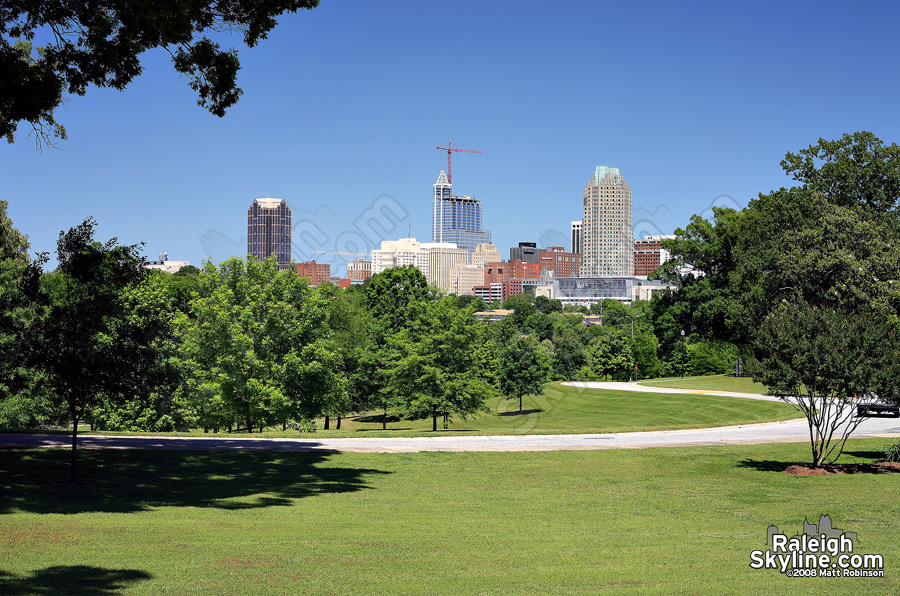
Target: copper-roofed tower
x,y
607,234
269,231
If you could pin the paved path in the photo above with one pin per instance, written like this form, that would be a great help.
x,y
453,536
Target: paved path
x,y
771,432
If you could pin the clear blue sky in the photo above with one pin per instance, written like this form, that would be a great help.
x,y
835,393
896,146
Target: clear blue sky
x,y
694,102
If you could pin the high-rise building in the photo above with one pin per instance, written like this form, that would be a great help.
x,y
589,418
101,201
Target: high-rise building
x,y
269,231
607,233
456,219
576,236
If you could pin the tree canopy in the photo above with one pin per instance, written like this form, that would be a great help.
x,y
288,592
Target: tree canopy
x,y
48,49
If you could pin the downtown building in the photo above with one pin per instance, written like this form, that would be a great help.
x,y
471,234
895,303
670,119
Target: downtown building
x,y
269,231
649,254
607,233
456,220
435,260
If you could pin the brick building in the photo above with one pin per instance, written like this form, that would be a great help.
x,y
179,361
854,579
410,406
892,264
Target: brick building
x,y
316,273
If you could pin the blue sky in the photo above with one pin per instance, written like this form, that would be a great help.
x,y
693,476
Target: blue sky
x,y
696,104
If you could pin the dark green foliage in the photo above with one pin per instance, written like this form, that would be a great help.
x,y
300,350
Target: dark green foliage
x,y
100,43
75,338
524,368
821,359
857,170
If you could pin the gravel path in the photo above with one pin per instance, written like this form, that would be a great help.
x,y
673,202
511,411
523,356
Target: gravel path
x,y
771,432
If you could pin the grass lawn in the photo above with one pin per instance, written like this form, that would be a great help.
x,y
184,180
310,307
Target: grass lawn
x,y
653,521
711,383
564,409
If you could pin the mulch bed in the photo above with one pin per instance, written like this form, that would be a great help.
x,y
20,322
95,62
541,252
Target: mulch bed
x,y
884,467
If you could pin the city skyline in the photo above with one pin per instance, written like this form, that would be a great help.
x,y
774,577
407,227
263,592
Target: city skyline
x,y
683,99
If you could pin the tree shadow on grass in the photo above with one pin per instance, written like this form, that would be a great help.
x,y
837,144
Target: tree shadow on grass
x,y
375,418
122,481
769,465
78,580
522,413
871,455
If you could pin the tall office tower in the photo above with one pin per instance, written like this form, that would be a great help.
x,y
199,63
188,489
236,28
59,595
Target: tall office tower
x,y
576,237
269,231
608,236
456,219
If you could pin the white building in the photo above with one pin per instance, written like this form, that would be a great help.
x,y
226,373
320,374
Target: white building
x,y
164,264
434,259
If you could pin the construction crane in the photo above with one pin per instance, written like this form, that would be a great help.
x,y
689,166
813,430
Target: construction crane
x,y
340,253
449,149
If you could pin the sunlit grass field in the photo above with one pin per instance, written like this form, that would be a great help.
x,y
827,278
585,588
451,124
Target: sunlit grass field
x,y
634,522
562,409
710,383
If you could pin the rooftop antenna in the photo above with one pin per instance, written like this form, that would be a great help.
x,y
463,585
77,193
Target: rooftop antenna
x,y
409,229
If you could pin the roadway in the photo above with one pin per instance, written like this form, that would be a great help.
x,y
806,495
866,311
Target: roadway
x,y
745,434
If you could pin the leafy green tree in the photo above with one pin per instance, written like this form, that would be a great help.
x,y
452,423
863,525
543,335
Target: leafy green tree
x,y
398,300
819,360
855,170
711,358
546,305
523,368
85,312
609,358
449,370
397,296
256,346
703,259
98,43
151,399
24,398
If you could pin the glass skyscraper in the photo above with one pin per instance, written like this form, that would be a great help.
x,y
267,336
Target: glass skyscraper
x,y
456,219
269,231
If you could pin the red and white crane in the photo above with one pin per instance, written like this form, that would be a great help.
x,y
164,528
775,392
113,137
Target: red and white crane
x,y
449,151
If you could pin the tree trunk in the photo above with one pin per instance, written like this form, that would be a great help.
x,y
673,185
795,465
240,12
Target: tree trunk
x,y
73,474
284,425
520,404
433,420
338,423
384,418
327,422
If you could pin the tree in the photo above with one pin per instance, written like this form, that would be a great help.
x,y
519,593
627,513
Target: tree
x,y
151,399
609,358
449,369
820,360
24,398
524,368
256,347
100,43
75,336
398,300
855,170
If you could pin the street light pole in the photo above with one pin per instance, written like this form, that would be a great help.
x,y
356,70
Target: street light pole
x,y
683,350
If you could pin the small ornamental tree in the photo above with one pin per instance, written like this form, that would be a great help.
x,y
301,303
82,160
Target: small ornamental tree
x,y
821,360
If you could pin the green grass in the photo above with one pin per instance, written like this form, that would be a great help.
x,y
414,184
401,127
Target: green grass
x,y
711,383
634,522
564,409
